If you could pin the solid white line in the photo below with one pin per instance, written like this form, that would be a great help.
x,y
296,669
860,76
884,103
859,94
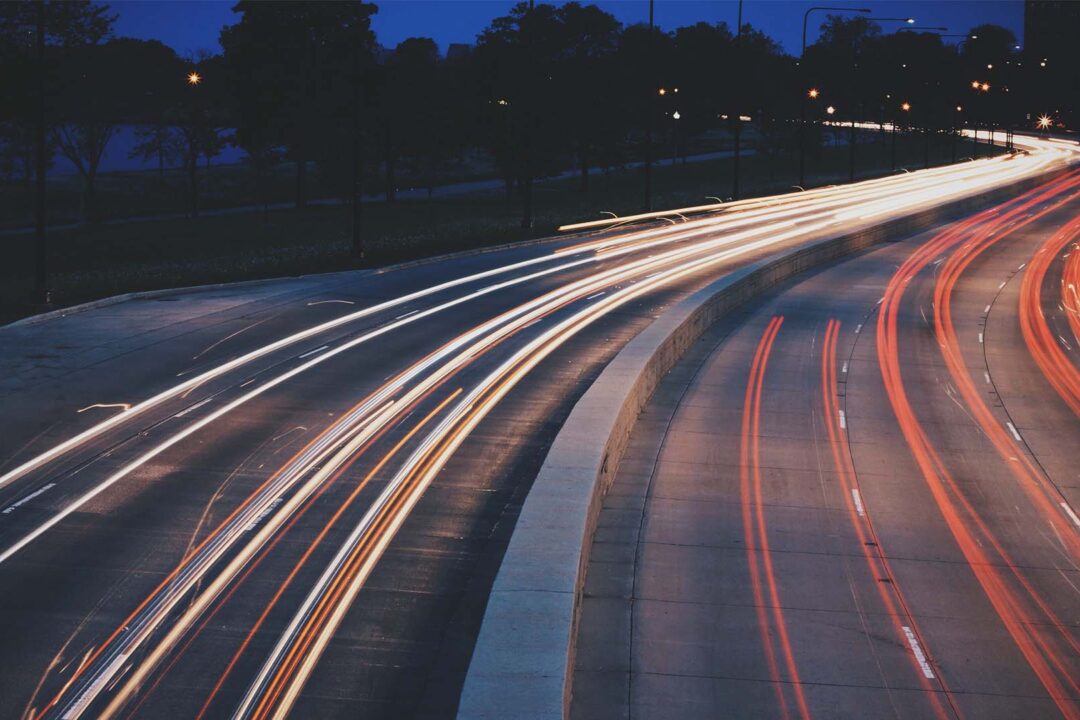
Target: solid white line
x,y
411,312
858,502
919,655
1072,515
312,352
1012,429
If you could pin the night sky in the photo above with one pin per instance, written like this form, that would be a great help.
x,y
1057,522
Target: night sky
x,y
191,25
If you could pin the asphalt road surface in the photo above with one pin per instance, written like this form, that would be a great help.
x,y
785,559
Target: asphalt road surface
x,y
858,499
291,497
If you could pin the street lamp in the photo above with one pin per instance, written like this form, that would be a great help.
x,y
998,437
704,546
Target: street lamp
x,y
194,78
802,105
813,93
906,107
956,111
1044,122
830,110
675,136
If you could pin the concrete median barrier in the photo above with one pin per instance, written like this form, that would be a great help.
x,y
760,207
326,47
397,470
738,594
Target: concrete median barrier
x,y
522,664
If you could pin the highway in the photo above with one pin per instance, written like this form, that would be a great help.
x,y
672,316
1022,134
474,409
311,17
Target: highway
x,y
859,498
291,497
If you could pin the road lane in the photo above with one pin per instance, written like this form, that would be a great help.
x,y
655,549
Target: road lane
x,y
874,606
160,548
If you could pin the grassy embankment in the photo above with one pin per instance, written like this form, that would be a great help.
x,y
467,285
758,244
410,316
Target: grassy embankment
x,y
91,262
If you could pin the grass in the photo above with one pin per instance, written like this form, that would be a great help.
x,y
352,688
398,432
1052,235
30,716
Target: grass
x,y
92,262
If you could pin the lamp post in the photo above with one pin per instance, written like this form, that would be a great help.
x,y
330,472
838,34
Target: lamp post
x,y
650,114
41,284
193,80
956,111
737,115
675,137
530,103
802,75
905,107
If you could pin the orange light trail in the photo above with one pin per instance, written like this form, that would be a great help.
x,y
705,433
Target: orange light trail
x,y
753,514
1059,371
876,560
957,512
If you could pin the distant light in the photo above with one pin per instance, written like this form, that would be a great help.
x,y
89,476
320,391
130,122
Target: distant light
x,y
663,91
676,115
674,89
984,87
813,93
974,84
1044,122
974,37
1042,64
502,101
911,21
989,66
959,108
830,110
194,78
905,106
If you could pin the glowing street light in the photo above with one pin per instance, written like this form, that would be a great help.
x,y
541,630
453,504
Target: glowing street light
x,y
974,84
959,108
676,115
194,78
1044,122
985,87
814,92
663,91
906,106
830,110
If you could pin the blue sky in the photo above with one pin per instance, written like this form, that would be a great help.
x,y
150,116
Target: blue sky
x,y
191,25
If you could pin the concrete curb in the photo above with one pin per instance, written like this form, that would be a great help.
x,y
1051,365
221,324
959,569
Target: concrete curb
x,y
145,294
522,664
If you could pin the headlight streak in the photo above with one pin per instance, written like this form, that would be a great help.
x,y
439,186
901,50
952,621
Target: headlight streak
x,y
875,208
500,327
1049,152
522,316
287,669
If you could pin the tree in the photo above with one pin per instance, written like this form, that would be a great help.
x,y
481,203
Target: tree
x,y
70,27
157,142
288,64
101,86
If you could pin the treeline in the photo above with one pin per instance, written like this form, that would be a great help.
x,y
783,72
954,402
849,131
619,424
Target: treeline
x,y
542,90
